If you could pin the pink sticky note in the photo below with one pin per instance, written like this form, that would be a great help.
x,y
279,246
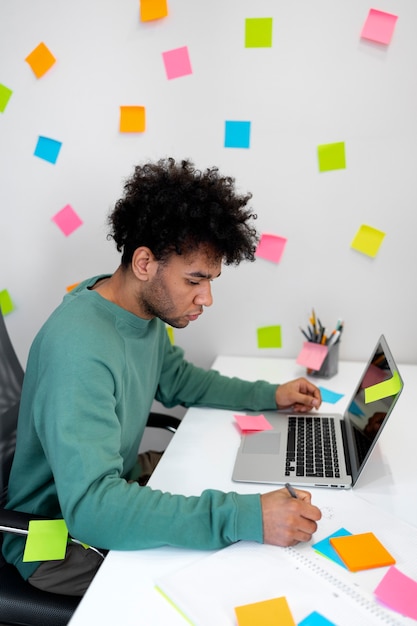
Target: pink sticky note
x,y
379,26
312,355
271,247
399,592
67,220
252,423
177,62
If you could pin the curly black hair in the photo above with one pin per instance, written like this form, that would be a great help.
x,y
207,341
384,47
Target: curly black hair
x,y
172,207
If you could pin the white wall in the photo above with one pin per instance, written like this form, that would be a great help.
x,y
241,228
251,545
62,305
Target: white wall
x,y
319,83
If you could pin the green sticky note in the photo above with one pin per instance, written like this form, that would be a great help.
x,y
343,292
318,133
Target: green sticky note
x,y
6,303
46,541
383,390
269,337
258,32
5,94
332,156
368,240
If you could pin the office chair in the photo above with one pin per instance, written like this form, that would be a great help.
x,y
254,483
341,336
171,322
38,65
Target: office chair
x,y
20,603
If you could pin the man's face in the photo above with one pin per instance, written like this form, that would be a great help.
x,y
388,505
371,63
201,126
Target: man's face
x,y
180,288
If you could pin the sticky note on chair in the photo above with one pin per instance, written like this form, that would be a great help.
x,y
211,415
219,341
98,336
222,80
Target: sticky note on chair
x,y
363,551
252,423
368,240
40,60
6,302
46,541
274,612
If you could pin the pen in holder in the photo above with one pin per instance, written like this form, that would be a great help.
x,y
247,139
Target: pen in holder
x,y
330,365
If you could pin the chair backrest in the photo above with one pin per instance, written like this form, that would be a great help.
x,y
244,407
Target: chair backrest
x,y
11,378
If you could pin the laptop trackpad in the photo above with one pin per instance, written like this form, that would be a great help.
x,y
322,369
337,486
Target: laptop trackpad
x,y
262,443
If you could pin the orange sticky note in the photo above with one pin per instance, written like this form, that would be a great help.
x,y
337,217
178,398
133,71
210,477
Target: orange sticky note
x,y
363,551
153,10
40,60
274,612
132,119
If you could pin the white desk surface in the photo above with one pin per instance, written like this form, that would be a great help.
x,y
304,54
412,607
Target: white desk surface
x,y
201,455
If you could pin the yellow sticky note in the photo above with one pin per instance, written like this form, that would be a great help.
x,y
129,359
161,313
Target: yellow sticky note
x,y
331,156
40,60
6,303
258,32
269,337
170,332
368,240
46,541
153,10
274,612
132,119
382,390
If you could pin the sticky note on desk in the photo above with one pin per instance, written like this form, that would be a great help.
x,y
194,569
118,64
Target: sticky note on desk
x,y
363,551
274,612
252,423
325,548
315,619
398,592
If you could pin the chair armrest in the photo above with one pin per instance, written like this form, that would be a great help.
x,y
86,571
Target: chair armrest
x,y
16,521
160,420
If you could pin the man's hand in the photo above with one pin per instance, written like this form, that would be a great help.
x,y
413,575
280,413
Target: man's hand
x,y
298,395
288,520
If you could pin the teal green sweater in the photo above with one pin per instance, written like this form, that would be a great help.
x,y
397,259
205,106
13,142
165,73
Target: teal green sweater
x,y
93,372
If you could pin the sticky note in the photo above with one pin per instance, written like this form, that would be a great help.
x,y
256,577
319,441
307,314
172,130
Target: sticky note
x,y
6,303
316,619
258,32
40,60
47,149
153,10
177,62
67,220
363,551
46,541
132,119
312,355
382,390
170,332
73,286
331,397
271,247
269,337
274,612
379,26
326,549
5,95
237,134
368,240
398,592
252,423
331,156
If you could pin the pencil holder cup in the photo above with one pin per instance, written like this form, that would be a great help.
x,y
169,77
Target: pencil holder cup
x,y
330,365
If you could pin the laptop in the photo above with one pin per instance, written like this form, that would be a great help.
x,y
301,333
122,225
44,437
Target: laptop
x,y
291,451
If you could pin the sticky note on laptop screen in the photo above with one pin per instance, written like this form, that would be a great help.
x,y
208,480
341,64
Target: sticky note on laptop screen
x,y
362,551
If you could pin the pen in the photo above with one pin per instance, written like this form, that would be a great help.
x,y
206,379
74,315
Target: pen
x,y
290,490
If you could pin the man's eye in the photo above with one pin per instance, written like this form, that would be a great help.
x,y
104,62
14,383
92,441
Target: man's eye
x,y
193,282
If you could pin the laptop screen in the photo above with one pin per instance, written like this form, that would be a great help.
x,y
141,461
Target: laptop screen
x,y
371,404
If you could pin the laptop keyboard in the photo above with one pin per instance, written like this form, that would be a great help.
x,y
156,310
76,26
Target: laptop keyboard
x,y
311,447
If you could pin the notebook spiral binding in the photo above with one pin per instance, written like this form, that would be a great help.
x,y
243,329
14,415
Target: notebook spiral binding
x,y
359,596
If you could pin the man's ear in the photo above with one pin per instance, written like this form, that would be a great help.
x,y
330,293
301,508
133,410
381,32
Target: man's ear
x,y
144,264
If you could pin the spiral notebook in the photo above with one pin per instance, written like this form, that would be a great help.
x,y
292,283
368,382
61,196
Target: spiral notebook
x,y
207,591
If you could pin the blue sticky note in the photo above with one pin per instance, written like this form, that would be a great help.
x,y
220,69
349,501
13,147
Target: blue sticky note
x,y
326,549
355,410
47,149
330,396
315,619
237,134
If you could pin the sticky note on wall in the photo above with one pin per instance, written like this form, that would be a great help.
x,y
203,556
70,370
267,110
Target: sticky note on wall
x,y
269,337
48,149
5,95
132,119
153,10
258,32
379,26
6,303
368,240
271,247
40,60
67,220
331,156
177,62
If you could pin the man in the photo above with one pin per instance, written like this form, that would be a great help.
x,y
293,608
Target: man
x,y
103,357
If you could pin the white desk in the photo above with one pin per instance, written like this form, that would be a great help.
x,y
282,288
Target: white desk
x,y
123,590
